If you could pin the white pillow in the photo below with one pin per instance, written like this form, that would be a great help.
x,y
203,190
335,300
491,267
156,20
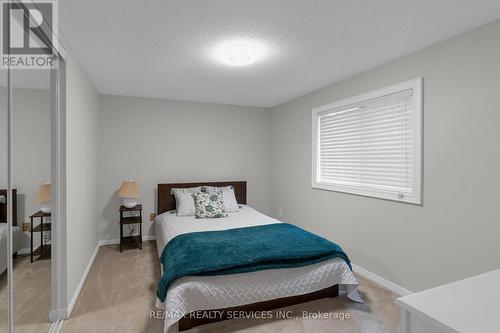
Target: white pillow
x,y
213,189
184,201
184,204
185,190
230,203
2,199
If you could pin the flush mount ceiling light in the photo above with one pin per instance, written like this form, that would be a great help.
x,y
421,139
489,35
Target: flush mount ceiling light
x,y
239,52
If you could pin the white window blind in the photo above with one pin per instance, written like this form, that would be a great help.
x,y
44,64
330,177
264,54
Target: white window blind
x,y
370,144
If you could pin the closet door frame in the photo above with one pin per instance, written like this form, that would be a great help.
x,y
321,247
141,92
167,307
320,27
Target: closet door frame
x,y
58,141
10,262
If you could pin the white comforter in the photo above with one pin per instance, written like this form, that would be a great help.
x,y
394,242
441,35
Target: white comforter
x,y
192,293
16,237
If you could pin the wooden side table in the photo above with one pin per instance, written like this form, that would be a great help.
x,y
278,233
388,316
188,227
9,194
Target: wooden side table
x,y
130,219
43,251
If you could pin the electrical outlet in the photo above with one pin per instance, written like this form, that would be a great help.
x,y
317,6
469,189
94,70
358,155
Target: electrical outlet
x,y
280,212
152,216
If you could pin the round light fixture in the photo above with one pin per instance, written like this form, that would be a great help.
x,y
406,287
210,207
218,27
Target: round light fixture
x,y
239,55
240,52
240,59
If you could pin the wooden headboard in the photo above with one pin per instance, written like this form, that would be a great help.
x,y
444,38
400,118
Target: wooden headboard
x,y
166,200
3,207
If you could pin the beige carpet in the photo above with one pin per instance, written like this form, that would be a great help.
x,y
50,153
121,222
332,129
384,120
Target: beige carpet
x,y
120,292
31,296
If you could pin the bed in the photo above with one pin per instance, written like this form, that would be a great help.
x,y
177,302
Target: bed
x,y
16,231
217,296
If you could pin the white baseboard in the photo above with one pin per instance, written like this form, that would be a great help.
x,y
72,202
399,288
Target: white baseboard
x,y
25,250
65,313
82,282
105,242
398,290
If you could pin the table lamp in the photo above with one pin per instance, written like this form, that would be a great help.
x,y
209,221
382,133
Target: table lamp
x,y
44,197
129,192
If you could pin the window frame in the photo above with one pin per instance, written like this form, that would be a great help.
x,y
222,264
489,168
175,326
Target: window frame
x,y
417,86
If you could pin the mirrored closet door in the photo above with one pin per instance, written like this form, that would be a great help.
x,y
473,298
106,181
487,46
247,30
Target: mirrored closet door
x,y
31,125
25,232
31,179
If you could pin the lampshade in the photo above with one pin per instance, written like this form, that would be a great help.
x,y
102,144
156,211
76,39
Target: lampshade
x,y
44,193
129,189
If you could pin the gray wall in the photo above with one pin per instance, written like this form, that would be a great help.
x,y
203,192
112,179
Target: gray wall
x,y
455,233
31,148
82,143
155,140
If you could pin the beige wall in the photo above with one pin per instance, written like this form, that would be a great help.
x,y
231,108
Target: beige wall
x,y
155,140
455,233
82,145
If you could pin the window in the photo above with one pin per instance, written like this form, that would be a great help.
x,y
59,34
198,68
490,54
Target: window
x,y
371,144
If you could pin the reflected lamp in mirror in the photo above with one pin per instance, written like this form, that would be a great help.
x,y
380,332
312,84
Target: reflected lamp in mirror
x,y
44,197
129,192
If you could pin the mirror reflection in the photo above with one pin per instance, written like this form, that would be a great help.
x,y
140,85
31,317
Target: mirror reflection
x,y
31,174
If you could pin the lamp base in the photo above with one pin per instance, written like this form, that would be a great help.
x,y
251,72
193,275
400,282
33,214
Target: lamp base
x,y
129,203
45,207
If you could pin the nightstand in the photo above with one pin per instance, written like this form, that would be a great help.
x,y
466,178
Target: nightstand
x,y
43,251
130,216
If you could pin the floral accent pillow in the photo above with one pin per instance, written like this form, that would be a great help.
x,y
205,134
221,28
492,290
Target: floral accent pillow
x,y
209,205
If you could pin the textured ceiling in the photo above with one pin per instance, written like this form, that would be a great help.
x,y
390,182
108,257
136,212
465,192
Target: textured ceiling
x,y
160,48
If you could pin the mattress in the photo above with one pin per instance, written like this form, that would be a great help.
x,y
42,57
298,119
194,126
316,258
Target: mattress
x,y
192,293
16,238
